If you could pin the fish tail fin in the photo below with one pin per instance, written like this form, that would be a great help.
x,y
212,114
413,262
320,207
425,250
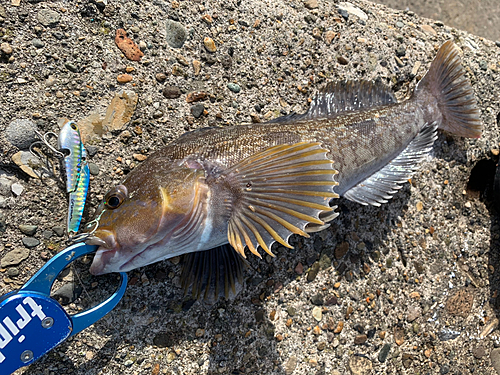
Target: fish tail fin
x,y
447,83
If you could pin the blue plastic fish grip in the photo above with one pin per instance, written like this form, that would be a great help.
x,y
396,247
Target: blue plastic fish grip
x,y
32,323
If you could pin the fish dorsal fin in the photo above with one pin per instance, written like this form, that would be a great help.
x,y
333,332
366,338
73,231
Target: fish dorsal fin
x,y
278,192
212,272
348,96
383,184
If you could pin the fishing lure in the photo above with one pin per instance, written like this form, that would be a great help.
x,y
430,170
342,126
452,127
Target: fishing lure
x,y
77,173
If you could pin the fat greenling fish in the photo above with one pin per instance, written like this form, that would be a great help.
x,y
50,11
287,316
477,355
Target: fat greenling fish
x,y
215,192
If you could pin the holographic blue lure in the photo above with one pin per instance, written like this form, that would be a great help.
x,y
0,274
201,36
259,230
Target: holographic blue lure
x,y
77,173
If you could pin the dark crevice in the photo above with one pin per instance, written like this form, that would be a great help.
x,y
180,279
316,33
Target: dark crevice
x,y
481,178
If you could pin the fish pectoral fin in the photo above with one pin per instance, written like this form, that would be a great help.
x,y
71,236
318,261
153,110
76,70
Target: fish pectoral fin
x,y
381,186
279,192
211,270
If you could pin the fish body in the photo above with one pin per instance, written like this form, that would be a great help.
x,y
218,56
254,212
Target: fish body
x,y
77,173
220,190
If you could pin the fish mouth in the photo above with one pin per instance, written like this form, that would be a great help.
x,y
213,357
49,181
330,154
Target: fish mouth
x,y
108,247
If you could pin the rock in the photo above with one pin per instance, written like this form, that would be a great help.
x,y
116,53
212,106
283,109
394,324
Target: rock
x,y
48,17
444,369
17,189
196,67
360,339
342,60
59,230
196,96
460,303
124,78
21,133
3,223
68,293
313,272
400,51
37,43
341,250
27,229
197,110
127,46
5,186
399,335
384,352
495,359
329,35
93,169
360,365
13,271
447,334
30,242
414,312
234,87
30,164
428,29
351,9
317,300
311,4
209,44
317,313
290,365
14,257
479,352
71,67
5,48
291,311
160,77
176,34
171,92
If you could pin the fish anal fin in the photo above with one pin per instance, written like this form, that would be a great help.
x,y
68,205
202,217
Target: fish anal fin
x,y
381,186
276,193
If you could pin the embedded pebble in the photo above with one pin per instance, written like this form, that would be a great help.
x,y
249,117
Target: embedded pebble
x,y
197,110
171,92
311,4
176,34
317,313
360,365
48,17
209,44
30,242
27,229
413,313
13,271
37,43
67,293
290,365
59,230
384,352
93,169
5,48
127,46
234,87
21,133
329,35
14,257
351,9
160,77
17,188
495,358
124,78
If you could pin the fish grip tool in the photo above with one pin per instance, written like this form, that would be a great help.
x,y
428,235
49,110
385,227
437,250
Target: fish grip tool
x,y
32,323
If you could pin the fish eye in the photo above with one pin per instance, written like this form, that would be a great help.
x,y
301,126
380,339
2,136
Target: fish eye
x,y
73,126
113,202
115,197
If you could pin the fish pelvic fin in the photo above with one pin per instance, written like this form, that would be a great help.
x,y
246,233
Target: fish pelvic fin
x,y
446,81
212,273
383,184
279,192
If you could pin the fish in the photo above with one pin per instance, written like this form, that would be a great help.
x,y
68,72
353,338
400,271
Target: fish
x,y
216,193
77,173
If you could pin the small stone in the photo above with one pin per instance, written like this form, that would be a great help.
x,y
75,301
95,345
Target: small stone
x,y
400,24
384,352
360,339
197,110
21,133
5,48
447,334
124,78
399,335
351,9
196,67
13,271
497,43
196,96
58,230
67,293
127,46
47,234
321,346
400,51
317,300
71,67
209,44
290,365
299,269
17,188
291,311
317,313
479,352
200,332
93,169
339,328
14,257
444,370
342,60
139,157
30,242
311,4
234,87
48,17
428,29
414,312
176,34
360,365
171,92
349,311
160,77
142,45
460,303
329,35
27,229
341,250
37,43
313,272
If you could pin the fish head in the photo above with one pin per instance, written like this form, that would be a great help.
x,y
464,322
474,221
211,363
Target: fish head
x,y
136,222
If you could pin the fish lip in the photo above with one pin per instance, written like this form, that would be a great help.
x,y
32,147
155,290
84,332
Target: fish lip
x,y
100,264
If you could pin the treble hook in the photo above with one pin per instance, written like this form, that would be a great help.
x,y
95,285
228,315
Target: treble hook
x,y
44,139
